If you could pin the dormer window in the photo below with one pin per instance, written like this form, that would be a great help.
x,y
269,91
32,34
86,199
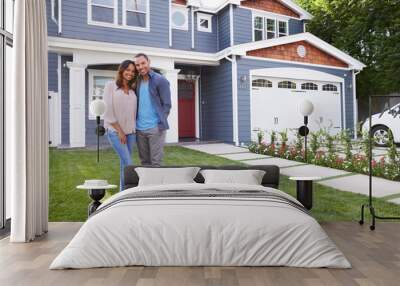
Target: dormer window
x,y
269,27
204,23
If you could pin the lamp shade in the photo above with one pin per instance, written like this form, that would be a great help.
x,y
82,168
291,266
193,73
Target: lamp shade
x,y
98,107
306,107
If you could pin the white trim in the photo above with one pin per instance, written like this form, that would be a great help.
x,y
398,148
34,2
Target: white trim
x,y
91,74
169,24
102,24
185,11
68,46
355,105
235,102
269,14
59,88
59,17
231,33
308,37
207,17
294,62
192,19
344,124
135,28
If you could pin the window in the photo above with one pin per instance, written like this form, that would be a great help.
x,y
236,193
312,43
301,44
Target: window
x,y
136,13
54,10
258,28
309,86
329,87
97,82
261,83
287,84
269,27
179,17
103,12
283,30
204,23
6,61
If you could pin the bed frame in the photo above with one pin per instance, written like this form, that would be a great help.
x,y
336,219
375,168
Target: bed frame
x,y
270,179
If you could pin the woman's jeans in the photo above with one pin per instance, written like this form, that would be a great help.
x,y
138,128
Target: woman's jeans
x,y
124,152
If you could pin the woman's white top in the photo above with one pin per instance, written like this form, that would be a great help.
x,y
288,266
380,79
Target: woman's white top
x,y
121,108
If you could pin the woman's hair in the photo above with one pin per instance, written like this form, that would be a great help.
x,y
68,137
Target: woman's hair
x,y
119,78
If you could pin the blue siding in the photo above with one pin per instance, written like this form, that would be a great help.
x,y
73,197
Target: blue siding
x,y
242,26
52,72
216,98
203,41
75,26
245,65
65,100
295,26
52,28
224,37
90,125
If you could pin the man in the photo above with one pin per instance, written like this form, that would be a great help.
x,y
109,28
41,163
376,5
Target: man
x,y
154,103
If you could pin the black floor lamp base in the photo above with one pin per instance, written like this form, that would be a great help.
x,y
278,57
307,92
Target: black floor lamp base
x,y
373,216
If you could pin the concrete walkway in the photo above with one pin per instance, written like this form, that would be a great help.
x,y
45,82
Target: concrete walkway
x,y
337,179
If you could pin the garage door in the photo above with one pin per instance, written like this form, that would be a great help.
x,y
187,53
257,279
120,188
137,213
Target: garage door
x,y
275,104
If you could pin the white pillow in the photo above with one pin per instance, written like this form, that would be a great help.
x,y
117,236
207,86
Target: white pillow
x,y
248,177
166,176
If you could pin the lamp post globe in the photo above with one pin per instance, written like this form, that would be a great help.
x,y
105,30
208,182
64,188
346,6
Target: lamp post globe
x,y
306,107
98,108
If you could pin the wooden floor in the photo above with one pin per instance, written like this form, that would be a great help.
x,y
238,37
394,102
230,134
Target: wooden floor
x,y
375,257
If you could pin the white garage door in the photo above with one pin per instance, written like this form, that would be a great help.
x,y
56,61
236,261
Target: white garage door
x,y
275,104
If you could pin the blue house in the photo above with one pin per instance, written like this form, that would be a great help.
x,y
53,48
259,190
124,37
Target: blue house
x,y
233,66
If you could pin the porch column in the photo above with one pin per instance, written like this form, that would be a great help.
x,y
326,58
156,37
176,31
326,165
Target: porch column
x,y
172,133
76,104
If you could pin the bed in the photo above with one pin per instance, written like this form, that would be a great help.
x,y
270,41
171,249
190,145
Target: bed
x,y
197,224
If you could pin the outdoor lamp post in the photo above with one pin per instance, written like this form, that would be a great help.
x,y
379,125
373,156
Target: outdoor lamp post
x,y
98,108
306,108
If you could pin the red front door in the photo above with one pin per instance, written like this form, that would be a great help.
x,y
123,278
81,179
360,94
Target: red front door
x,y
186,109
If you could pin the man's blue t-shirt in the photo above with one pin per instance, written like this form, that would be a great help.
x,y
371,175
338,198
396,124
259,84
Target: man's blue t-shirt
x,y
147,115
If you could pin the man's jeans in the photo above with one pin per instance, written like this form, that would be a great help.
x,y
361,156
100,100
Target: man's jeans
x,y
124,152
150,144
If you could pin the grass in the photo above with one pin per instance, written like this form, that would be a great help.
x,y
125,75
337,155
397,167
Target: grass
x,y
69,168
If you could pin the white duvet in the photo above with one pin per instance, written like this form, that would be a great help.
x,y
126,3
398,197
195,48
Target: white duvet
x,y
208,231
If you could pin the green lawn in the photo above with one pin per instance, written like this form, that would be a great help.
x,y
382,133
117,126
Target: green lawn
x,y
69,168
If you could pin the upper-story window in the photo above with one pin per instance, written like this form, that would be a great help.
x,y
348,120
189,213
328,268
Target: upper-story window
x,y
103,12
269,27
135,14
204,22
54,10
179,17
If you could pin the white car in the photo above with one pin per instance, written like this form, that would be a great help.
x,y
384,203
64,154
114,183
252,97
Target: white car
x,y
382,123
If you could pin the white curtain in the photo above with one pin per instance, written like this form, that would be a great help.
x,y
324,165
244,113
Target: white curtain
x,y
27,146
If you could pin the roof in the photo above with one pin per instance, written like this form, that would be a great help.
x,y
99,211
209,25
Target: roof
x,y
242,49
213,6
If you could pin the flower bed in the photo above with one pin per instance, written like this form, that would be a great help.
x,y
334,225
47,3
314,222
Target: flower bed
x,y
330,151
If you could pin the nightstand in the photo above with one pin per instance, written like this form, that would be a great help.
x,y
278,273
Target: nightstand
x,y
304,190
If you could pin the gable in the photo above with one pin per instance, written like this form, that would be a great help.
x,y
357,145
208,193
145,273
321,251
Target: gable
x,y
289,52
274,6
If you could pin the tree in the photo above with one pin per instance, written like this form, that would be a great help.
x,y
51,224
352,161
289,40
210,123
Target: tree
x,y
368,30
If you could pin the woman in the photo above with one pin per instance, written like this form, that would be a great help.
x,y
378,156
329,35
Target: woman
x,y
120,115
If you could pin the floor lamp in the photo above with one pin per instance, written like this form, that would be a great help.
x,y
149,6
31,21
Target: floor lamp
x,y
306,108
370,206
98,108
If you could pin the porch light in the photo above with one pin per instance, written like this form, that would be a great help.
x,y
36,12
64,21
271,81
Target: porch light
x,y
98,108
